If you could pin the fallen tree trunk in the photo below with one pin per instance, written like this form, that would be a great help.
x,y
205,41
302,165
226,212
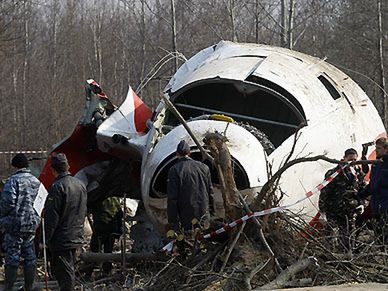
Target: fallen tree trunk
x,y
223,161
114,258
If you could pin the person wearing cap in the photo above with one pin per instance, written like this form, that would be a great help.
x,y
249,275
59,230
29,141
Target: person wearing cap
x,y
64,213
189,191
19,221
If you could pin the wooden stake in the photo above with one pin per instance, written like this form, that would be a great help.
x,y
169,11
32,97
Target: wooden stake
x,y
124,240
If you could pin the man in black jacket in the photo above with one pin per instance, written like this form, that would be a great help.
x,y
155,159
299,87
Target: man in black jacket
x,y
64,214
189,190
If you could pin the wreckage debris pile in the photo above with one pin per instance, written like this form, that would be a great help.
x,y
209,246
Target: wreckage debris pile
x,y
274,251
304,259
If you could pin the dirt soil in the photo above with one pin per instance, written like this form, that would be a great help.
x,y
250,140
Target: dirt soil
x,y
346,287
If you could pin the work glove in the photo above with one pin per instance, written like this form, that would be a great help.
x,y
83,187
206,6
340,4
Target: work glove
x,y
360,209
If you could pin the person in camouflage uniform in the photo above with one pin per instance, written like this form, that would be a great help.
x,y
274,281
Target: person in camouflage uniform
x,y
107,223
338,200
19,221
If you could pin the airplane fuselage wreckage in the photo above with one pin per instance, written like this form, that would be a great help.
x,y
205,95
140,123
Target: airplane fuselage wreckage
x,y
258,96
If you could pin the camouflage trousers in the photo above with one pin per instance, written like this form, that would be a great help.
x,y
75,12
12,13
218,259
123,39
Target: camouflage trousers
x,y
344,224
17,246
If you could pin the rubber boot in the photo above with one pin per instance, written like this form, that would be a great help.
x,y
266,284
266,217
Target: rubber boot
x,y
29,277
11,273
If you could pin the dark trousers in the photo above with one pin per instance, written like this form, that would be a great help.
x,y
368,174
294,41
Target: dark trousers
x,y
381,227
103,240
345,227
63,268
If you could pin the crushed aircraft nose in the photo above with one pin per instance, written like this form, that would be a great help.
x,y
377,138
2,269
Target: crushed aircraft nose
x,y
270,93
275,91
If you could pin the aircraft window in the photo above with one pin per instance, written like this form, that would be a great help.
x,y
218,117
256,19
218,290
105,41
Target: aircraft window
x,y
263,105
280,90
329,87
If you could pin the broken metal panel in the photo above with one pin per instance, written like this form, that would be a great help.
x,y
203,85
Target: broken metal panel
x,y
91,175
237,68
122,121
224,63
80,149
122,134
188,67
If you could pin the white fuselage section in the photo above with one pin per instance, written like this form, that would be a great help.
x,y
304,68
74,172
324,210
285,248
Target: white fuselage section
x,y
337,116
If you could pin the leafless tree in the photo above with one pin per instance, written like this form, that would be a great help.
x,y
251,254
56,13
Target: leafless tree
x,y
49,47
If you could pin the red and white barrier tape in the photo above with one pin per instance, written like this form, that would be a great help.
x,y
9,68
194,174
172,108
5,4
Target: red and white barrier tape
x,y
22,152
226,227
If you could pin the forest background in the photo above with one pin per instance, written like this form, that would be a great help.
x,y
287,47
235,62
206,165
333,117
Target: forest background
x,y
48,48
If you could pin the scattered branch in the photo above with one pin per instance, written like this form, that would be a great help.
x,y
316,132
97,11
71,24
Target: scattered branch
x,y
285,276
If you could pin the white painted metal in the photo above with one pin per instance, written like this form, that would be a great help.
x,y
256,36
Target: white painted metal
x,y
243,146
332,125
122,122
